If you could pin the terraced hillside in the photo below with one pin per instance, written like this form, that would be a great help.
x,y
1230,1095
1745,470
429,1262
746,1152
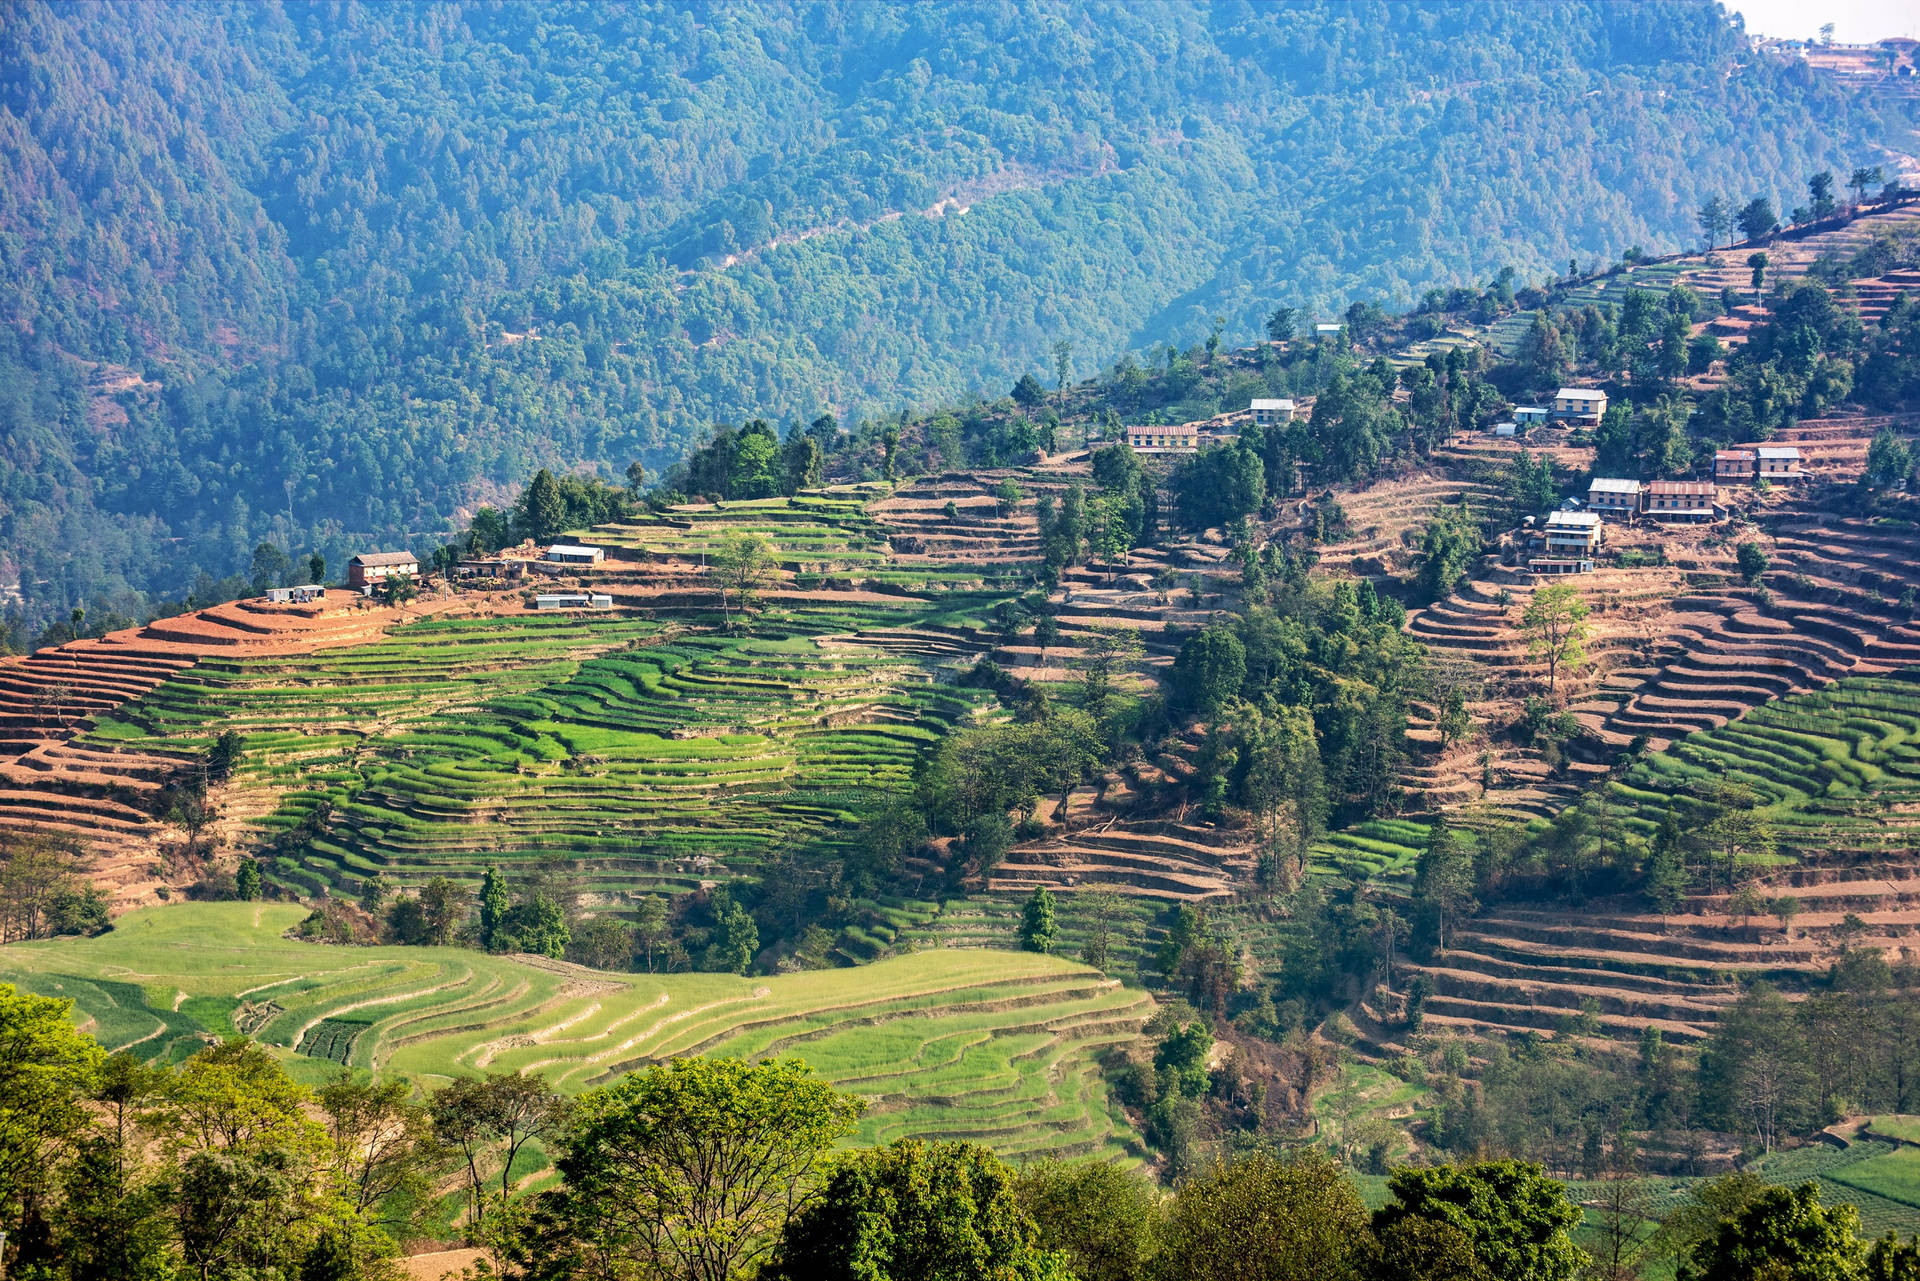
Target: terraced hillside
x,y
462,742
998,1047
1835,775
55,778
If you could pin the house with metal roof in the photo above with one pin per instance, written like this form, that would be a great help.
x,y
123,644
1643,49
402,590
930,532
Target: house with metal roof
x,y
1778,462
1733,466
1681,500
1614,496
573,554
372,567
1573,533
1580,406
1182,437
1272,413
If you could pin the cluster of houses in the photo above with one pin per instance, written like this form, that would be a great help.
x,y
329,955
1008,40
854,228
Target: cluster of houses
x,y
368,570
1188,438
1571,536
1572,407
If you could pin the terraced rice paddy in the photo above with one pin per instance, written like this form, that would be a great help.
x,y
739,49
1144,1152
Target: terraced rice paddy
x,y
1837,771
1000,1047
646,752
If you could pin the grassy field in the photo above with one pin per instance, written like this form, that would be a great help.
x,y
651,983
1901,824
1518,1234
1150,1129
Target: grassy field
x,y
1000,1047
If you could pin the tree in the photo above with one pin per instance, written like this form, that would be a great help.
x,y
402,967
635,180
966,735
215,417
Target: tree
x,y
636,477
1783,1235
1443,884
246,881
1037,927
382,1146
1889,460
693,1168
1891,1259
46,1069
1209,670
742,564
1861,180
650,929
1281,322
1715,218
1758,261
1101,909
1820,194
1784,909
1447,548
603,943
224,755
1756,219
1422,1250
494,1116
1707,1205
1062,367
493,906
1262,1217
1028,393
271,567
39,872
1555,623
1007,496
192,813
1665,883
1107,649
1097,1215
398,589
738,941
1517,1219
916,1209
542,513
536,925
317,568
443,909
1752,559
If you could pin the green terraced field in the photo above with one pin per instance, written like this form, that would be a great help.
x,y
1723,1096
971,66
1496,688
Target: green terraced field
x,y
1001,1047
1837,770
642,750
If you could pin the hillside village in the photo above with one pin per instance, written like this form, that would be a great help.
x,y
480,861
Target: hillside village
x,y
705,700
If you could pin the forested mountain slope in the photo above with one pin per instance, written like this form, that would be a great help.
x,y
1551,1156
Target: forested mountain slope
x,y
327,275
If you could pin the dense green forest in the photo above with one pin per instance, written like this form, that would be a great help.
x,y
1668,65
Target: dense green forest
x,y
331,275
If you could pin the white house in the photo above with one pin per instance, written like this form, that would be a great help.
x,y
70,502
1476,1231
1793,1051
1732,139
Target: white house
x,y
573,600
1271,413
1506,429
1530,415
573,554
1572,533
1581,406
1614,496
1778,462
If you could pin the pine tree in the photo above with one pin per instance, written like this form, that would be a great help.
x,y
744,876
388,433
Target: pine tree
x,y
493,906
544,511
1037,927
1666,875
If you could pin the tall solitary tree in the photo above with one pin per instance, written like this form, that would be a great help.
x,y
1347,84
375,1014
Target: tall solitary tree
x,y
1555,622
742,564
